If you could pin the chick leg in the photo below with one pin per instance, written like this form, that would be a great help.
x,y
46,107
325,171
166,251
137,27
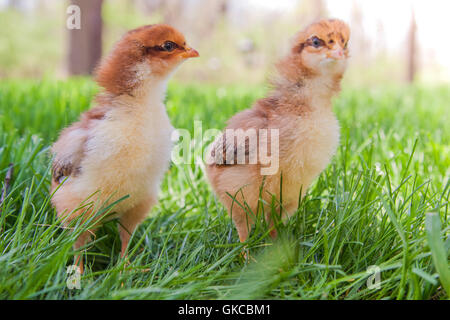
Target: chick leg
x,y
242,222
273,233
270,220
288,211
130,220
82,240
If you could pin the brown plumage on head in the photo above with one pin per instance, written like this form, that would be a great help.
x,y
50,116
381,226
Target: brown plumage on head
x,y
160,46
315,49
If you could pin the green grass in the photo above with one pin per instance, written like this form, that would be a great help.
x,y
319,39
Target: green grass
x,y
368,208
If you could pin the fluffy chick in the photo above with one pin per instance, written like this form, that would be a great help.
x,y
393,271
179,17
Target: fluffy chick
x,y
121,146
299,107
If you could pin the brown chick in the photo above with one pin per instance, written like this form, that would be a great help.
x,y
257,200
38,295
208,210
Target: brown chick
x,y
302,133
121,146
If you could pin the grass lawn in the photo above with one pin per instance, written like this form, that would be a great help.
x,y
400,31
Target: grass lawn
x,y
383,202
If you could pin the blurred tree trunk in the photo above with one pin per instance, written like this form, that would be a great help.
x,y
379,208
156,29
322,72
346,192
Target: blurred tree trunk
x,y
152,5
224,7
360,44
173,12
311,10
85,44
15,4
319,9
412,50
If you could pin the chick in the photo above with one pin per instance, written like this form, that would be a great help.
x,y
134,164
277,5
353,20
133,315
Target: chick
x,y
121,146
298,115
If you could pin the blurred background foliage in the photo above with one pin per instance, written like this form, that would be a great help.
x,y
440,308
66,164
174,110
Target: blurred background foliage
x,y
367,208
238,40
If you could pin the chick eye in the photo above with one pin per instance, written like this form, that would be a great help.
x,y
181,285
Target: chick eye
x,y
169,46
316,42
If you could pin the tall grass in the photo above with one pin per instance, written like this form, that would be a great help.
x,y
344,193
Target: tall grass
x,y
368,208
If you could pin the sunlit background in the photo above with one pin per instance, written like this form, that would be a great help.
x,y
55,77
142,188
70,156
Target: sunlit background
x,y
383,201
392,41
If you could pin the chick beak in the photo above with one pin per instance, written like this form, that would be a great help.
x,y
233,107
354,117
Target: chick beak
x,y
336,54
190,53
